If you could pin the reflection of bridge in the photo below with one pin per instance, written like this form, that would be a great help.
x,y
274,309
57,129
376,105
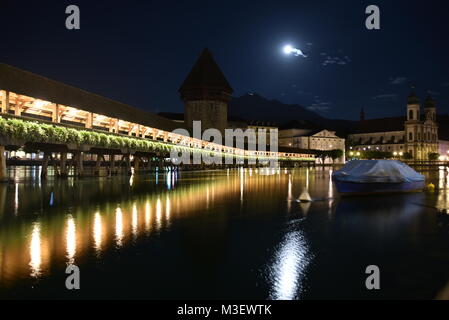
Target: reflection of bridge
x,y
64,123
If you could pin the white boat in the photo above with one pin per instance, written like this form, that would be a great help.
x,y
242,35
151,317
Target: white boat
x,y
377,176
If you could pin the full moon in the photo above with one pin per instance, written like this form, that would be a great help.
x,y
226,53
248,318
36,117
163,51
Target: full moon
x,y
288,49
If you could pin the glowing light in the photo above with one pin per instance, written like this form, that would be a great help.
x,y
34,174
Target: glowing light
x,y
395,153
35,251
97,231
288,49
71,239
40,104
134,221
118,227
16,198
167,209
147,216
158,214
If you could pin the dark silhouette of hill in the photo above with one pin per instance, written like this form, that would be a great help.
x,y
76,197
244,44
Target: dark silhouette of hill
x,y
256,107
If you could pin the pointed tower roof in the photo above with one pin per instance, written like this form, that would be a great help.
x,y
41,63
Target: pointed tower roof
x,y
205,74
429,102
362,114
412,98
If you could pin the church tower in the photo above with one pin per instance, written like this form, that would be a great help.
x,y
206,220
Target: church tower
x,y
206,93
362,115
430,127
430,108
413,127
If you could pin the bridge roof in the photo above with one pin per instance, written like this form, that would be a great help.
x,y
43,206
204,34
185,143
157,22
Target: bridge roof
x,y
36,86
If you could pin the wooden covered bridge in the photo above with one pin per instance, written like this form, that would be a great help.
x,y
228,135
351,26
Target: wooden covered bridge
x,y
43,116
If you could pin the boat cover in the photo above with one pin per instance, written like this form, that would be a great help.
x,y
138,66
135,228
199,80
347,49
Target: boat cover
x,y
377,171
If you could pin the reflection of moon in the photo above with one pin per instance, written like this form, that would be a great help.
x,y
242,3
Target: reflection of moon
x,y
291,260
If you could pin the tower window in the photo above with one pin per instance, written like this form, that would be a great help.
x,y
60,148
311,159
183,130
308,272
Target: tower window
x,y
410,115
410,136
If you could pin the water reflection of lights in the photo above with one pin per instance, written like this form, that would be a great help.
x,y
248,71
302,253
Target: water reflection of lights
x,y
119,227
147,216
158,214
290,197
71,239
134,221
242,174
98,231
287,271
167,209
35,250
169,180
16,198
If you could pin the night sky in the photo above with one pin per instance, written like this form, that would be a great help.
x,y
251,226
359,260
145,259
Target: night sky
x,y
139,52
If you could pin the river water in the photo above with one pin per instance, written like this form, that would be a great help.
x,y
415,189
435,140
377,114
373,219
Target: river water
x,y
228,234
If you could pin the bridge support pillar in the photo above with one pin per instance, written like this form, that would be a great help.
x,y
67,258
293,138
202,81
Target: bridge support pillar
x,y
128,164
161,164
63,165
79,164
136,164
44,170
112,164
149,164
97,165
3,170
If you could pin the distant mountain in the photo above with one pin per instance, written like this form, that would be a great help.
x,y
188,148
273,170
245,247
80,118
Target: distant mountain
x,y
253,107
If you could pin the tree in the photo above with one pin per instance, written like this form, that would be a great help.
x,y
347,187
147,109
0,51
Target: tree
x,y
335,154
408,156
433,156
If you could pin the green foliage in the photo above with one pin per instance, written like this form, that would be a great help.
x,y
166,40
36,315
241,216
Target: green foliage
x,y
433,156
48,133
333,154
376,154
30,131
408,156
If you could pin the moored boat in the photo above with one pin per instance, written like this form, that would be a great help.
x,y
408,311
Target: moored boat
x,y
377,176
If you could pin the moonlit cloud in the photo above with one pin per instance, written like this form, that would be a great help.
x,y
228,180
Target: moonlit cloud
x,y
288,49
337,60
433,93
386,96
397,80
320,105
